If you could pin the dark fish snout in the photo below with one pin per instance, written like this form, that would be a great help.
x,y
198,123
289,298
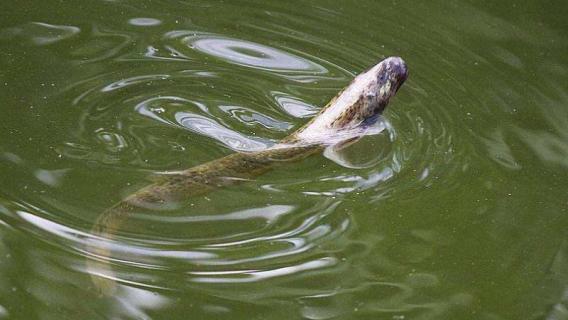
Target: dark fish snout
x,y
395,72
397,68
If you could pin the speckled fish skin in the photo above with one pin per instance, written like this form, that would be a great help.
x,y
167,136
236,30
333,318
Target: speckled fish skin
x,y
355,107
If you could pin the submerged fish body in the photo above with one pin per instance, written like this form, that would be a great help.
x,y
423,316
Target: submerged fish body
x,y
344,119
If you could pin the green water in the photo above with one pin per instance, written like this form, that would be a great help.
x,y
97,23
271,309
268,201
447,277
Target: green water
x,y
457,211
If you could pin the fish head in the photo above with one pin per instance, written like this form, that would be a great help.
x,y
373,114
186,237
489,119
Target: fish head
x,y
359,105
385,80
369,93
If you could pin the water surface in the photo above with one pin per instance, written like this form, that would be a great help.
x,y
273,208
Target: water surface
x,y
456,211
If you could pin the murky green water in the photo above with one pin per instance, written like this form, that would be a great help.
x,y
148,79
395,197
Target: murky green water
x,y
457,211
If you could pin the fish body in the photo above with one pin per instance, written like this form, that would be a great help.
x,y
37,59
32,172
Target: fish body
x,y
344,119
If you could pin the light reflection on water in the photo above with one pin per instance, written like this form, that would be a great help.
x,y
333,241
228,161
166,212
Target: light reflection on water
x,y
38,33
250,54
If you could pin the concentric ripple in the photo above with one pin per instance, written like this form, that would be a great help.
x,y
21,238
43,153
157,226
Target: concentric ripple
x,y
213,94
248,53
184,97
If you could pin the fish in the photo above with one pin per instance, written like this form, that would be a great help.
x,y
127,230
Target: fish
x,y
344,120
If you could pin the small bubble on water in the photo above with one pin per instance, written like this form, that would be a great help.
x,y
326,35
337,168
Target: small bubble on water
x,y
177,147
158,110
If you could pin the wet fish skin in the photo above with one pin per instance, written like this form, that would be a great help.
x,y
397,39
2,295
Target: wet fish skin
x,y
343,120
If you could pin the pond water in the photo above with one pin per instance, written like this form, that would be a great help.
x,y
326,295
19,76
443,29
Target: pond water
x,y
458,210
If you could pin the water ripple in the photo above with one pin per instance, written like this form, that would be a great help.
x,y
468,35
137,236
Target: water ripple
x,y
246,53
39,33
211,128
126,116
255,275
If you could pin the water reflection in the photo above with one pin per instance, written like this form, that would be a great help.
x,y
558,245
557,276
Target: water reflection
x,y
294,106
38,33
257,275
101,44
500,151
211,128
136,303
550,145
270,214
134,80
144,22
247,53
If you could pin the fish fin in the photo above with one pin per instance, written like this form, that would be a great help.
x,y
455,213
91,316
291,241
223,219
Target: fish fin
x,y
161,176
336,154
345,144
340,154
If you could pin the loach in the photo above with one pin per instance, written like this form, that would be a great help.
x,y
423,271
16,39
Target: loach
x,y
343,120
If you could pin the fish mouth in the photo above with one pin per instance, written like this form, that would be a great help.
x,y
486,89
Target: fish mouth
x,y
391,74
397,70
